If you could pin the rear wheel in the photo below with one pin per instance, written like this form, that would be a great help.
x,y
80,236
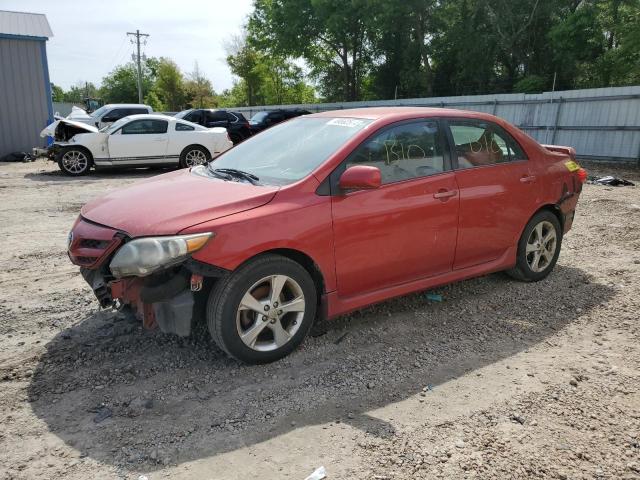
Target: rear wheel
x,y
74,161
194,155
538,248
262,311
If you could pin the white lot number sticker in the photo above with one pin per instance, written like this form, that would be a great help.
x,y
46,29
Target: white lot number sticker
x,y
345,122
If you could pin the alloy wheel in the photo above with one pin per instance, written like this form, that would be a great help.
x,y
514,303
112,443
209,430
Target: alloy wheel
x,y
541,246
270,313
75,161
194,157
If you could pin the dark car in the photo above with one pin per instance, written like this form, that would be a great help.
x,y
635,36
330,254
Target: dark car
x,y
237,126
265,119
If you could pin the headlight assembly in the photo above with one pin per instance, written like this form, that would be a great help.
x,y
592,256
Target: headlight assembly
x,y
143,256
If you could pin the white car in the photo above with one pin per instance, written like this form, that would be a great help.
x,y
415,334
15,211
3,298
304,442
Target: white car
x,y
141,141
63,128
107,114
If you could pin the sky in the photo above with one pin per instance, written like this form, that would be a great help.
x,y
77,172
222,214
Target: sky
x,y
90,35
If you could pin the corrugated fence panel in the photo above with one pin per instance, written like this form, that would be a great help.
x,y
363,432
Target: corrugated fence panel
x,y
23,97
600,123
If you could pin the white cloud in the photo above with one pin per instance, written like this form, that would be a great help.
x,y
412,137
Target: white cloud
x,y
90,36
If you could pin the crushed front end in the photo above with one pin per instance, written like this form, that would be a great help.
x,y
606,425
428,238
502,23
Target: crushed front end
x,y
153,276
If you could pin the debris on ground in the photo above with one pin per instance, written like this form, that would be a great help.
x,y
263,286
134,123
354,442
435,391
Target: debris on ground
x,y
318,474
17,157
611,181
103,414
433,297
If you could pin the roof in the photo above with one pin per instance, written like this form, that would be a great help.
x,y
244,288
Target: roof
x,y
126,105
399,113
24,24
152,116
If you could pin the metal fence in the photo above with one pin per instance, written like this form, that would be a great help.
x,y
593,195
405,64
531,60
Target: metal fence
x,y
600,123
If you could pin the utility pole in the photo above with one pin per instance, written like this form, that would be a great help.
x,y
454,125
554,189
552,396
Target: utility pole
x,y
137,36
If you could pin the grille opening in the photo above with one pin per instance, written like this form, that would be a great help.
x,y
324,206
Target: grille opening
x,y
91,243
86,260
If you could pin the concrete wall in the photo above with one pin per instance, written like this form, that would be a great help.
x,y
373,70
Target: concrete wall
x,y
25,98
600,123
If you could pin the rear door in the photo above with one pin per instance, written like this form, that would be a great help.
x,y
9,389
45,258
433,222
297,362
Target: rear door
x,y
216,118
139,141
406,229
496,190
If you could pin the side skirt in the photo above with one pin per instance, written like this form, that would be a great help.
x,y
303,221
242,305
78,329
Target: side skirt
x,y
340,306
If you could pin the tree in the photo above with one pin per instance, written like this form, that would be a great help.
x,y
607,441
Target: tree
x,y
169,85
331,35
57,93
121,84
198,90
243,60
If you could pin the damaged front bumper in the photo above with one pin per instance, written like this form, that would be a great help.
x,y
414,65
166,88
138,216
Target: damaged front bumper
x,y
165,299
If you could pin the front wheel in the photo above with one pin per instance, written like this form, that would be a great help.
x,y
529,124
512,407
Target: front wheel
x,y
538,248
262,312
74,161
193,156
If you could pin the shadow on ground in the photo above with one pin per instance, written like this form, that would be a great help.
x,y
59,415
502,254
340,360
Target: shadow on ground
x,y
135,399
105,174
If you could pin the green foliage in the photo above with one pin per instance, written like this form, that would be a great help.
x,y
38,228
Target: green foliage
x,y
359,49
121,85
57,93
169,85
531,84
264,78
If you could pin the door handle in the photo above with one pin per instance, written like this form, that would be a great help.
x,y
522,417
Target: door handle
x,y
528,179
444,194
158,139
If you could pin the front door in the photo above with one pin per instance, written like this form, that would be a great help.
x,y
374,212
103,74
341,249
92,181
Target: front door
x,y
497,190
139,141
406,229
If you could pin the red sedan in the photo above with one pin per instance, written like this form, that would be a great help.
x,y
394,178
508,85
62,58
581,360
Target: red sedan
x,y
325,214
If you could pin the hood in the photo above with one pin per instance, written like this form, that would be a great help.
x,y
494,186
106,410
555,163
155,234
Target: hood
x,y
50,130
78,113
169,203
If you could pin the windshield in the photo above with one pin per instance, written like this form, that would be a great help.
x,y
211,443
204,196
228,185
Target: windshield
x,y
183,113
258,117
115,125
290,151
98,112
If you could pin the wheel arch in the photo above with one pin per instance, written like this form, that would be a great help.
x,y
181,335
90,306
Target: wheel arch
x,y
66,148
302,259
191,145
555,209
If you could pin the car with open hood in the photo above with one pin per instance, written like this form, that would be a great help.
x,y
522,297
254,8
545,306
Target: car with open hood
x,y
325,214
140,141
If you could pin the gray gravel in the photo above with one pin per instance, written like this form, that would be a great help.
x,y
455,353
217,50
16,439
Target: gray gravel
x,y
499,380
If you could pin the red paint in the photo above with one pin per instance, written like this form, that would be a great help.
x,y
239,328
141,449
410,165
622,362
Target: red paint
x,y
360,177
371,243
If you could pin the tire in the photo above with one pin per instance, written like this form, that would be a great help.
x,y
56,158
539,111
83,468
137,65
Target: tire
x,y
261,334
74,161
194,155
536,259
235,138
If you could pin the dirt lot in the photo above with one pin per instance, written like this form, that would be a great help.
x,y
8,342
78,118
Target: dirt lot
x,y
500,380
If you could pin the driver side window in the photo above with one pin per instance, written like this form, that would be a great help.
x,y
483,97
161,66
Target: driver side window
x,y
142,127
411,150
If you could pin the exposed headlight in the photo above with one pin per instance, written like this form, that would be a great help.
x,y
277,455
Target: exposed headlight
x,y
144,256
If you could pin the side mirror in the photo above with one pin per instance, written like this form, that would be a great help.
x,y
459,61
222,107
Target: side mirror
x,y
108,119
360,177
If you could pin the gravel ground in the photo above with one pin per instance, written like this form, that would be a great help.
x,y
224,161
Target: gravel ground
x,y
499,380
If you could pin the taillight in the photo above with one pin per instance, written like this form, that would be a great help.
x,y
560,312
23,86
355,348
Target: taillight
x,y
582,175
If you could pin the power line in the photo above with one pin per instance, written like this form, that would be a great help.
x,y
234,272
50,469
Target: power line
x,y
137,36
